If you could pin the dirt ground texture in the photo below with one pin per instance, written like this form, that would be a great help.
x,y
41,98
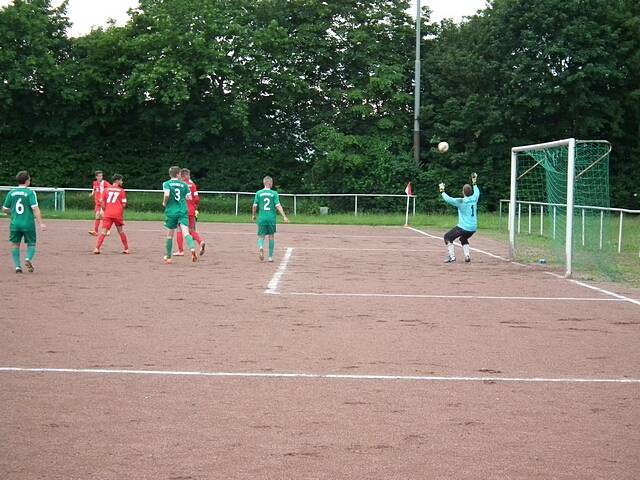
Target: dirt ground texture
x,y
358,301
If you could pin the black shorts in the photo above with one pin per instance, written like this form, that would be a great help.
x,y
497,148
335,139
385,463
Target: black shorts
x,y
457,232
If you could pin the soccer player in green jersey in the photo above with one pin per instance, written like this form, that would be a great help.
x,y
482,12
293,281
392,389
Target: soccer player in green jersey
x,y
22,205
265,204
176,194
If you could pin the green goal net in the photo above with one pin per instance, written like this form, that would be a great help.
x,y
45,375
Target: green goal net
x,y
544,210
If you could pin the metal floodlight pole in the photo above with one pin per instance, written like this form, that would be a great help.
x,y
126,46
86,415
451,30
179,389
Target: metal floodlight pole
x,y
416,113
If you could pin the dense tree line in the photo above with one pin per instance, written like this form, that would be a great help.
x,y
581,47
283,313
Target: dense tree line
x,y
316,93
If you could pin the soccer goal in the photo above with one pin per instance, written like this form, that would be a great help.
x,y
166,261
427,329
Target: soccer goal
x,y
559,206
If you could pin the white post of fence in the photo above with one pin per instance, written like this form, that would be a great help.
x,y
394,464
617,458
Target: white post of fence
x,y
541,220
554,221
356,205
620,233
414,205
295,205
55,201
601,226
529,219
237,203
406,217
583,242
519,215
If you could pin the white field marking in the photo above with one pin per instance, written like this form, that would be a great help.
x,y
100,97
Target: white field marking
x,y
328,376
370,249
272,288
582,284
465,297
489,254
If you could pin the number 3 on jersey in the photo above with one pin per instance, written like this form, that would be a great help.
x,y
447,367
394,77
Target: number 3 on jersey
x,y
267,203
177,194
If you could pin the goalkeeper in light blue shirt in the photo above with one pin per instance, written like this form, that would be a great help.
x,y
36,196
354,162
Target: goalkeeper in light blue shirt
x,y
467,218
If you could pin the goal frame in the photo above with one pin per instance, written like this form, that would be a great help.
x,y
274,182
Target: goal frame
x,y
570,143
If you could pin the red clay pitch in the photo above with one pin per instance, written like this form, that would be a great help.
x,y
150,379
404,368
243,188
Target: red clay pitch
x,y
337,311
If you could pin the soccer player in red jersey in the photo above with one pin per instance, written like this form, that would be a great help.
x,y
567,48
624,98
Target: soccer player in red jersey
x,y
192,207
99,186
114,201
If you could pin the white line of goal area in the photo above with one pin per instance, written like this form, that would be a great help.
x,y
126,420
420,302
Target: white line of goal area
x,y
274,283
320,376
616,296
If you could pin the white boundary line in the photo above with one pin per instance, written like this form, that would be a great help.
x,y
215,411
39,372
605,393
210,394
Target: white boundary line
x,y
272,287
327,376
470,247
340,249
582,284
466,297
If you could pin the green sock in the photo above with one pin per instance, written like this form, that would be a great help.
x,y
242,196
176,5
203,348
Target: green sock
x,y
31,252
15,253
190,242
168,246
272,243
261,243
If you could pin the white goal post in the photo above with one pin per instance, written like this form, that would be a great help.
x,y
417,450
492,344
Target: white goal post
x,y
570,143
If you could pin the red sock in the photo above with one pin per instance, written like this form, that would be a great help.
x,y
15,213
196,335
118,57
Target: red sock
x,y
180,241
100,241
125,242
96,226
196,237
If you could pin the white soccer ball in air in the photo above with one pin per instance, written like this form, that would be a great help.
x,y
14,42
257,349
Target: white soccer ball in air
x,y
443,147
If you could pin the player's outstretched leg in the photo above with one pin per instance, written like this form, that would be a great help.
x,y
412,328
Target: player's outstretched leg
x,y
198,240
15,254
449,237
28,261
123,239
180,242
272,244
100,241
190,243
168,247
261,248
464,240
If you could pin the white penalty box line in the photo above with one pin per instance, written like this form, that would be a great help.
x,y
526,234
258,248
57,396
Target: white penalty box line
x,y
456,297
320,376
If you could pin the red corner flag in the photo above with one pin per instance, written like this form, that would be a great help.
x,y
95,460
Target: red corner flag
x,y
408,189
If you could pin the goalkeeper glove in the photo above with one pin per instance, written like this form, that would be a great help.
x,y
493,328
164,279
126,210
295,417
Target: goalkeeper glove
x,y
196,213
474,177
441,187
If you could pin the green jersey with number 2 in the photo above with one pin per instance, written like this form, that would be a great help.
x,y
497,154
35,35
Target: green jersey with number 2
x,y
177,201
266,200
21,201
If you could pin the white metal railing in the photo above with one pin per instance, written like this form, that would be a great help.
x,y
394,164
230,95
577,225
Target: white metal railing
x,y
553,207
294,196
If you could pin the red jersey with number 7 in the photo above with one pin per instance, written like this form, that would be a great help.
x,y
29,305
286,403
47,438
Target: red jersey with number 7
x,y
114,200
192,204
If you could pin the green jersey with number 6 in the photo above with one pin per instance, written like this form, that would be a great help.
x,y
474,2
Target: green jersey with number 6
x,y
177,201
266,200
21,201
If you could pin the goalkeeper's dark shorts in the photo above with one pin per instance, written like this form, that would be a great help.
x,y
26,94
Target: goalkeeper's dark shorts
x,y
457,232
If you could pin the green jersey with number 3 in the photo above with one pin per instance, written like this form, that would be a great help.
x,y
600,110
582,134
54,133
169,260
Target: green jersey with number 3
x,y
177,201
21,201
266,200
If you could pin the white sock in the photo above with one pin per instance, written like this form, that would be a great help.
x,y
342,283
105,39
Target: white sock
x,y
452,252
465,249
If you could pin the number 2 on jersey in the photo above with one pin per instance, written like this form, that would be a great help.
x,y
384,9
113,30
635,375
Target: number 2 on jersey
x,y
267,202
